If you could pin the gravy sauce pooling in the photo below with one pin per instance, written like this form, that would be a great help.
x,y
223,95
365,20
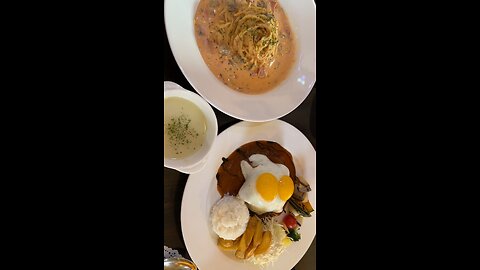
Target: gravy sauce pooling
x,y
223,60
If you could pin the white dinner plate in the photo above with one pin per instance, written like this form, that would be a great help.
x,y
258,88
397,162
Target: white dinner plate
x,y
201,193
179,24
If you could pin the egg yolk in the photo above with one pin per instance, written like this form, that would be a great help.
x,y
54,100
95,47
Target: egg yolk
x,y
285,188
267,186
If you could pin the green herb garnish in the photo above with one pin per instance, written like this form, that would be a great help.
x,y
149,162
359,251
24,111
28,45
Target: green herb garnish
x,y
179,131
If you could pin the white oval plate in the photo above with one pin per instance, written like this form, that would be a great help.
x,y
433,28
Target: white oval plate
x,y
179,18
201,193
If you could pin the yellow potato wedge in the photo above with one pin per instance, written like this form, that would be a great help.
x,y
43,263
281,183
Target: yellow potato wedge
x,y
236,242
257,239
250,250
228,244
232,248
225,243
265,244
246,238
240,253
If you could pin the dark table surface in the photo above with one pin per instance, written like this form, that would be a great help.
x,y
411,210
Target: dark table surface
x,y
303,118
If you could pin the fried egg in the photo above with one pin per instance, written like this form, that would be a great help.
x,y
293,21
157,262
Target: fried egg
x,y
267,185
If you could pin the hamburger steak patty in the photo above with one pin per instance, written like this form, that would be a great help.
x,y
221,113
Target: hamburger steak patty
x,y
229,176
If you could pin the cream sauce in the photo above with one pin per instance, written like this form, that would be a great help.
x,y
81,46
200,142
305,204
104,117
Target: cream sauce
x,y
233,75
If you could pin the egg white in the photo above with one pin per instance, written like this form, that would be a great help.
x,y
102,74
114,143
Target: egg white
x,y
248,192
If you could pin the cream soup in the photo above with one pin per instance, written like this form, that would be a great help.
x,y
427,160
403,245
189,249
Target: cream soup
x,y
221,31
184,128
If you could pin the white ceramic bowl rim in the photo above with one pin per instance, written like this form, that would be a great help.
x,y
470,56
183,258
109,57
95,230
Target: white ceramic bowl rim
x,y
196,161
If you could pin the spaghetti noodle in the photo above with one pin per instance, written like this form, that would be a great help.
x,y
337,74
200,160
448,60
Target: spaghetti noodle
x,y
250,30
247,44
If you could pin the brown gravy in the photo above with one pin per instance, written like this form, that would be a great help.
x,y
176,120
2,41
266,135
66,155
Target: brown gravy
x,y
233,75
230,178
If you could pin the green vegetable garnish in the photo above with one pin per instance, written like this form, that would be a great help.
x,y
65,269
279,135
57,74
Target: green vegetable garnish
x,y
293,234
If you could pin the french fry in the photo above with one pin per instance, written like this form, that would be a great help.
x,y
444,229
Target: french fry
x,y
265,244
246,238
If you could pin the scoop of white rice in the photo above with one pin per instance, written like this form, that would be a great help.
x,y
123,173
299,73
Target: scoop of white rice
x,y
229,217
